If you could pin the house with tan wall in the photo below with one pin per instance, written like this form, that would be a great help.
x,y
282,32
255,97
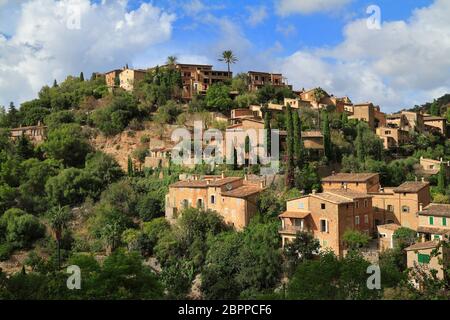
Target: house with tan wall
x,y
327,216
434,221
428,256
126,78
392,137
257,80
401,205
364,112
359,182
431,166
234,198
438,124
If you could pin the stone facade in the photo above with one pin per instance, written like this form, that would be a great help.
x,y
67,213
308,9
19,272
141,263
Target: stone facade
x,y
233,198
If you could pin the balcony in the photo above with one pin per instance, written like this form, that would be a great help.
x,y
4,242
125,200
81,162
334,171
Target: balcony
x,y
291,229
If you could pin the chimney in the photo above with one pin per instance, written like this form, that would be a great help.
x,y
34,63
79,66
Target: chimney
x,y
345,187
333,173
416,179
223,175
423,179
314,191
420,207
208,182
245,177
262,184
441,160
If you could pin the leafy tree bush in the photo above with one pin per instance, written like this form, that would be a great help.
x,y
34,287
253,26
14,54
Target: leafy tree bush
x,y
116,116
67,143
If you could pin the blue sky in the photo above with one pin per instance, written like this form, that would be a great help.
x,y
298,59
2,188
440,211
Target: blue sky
x,y
313,42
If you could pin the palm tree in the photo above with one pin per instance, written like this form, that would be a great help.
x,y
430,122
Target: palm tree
x,y
172,60
58,218
229,58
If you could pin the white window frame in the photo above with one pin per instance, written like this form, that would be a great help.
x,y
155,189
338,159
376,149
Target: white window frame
x,y
357,220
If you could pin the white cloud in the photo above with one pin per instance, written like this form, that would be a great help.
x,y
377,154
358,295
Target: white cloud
x,y
404,63
288,7
257,14
286,30
43,48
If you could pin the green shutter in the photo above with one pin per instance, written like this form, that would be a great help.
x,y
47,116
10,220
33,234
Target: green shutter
x,y
431,220
444,221
423,258
437,237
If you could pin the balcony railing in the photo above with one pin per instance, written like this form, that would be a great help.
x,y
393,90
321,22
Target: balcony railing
x,y
292,229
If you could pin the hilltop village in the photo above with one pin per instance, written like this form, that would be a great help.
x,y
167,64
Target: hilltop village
x,y
87,177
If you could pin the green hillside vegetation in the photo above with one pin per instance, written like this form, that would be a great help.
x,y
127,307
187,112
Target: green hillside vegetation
x,y
65,203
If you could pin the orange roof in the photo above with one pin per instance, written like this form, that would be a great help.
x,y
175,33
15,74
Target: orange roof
x,y
293,214
411,187
423,246
242,191
436,209
204,183
349,177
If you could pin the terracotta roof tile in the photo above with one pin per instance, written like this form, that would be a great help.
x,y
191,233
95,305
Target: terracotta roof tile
x,y
433,230
349,177
422,246
436,209
293,214
411,187
242,191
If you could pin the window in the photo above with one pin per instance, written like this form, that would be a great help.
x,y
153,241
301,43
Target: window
x,y
366,218
199,203
213,199
431,220
444,221
366,203
357,220
405,209
185,203
356,204
323,225
322,206
437,237
423,258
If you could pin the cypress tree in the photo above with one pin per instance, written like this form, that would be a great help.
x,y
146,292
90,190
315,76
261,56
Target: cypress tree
x,y
268,137
442,183
289,148
130,167
55,83
359,144
81,76
235,159
327,136
298,144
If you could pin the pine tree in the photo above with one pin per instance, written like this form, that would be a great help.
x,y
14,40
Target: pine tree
x,y
434,109
327,136
298,144
268,137
359,144
235,159
81,76
442,183
289,148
